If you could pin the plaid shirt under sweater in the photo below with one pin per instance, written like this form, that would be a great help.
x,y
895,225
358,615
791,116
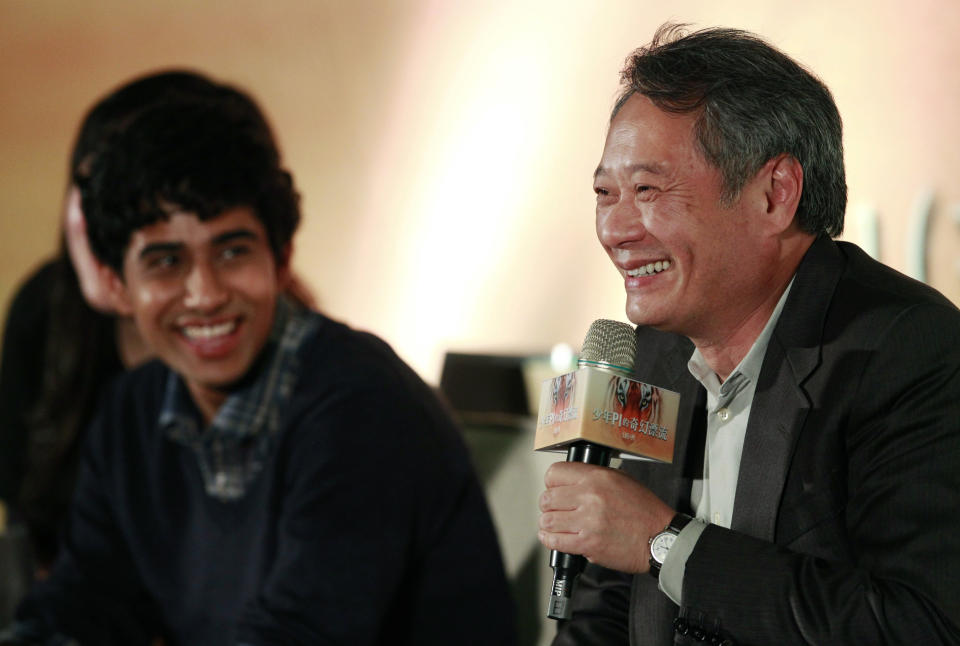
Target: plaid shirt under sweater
x,y
232,450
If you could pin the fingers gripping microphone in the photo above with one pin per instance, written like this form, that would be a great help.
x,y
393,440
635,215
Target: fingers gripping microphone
x,y
611,347
598,412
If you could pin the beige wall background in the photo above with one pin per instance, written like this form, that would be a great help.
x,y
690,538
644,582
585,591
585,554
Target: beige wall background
x,y
444,150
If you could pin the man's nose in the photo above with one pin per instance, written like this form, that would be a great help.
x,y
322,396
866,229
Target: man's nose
x,y
620,224
204,288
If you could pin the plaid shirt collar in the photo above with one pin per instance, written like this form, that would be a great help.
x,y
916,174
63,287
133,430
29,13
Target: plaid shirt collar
x,y
233,449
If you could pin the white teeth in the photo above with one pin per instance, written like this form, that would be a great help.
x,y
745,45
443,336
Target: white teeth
x,y
649,269
209,331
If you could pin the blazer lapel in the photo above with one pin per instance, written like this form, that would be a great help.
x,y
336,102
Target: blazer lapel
x,y
776,419
780,404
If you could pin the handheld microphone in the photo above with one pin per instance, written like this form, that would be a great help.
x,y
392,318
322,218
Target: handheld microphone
x,y
610,347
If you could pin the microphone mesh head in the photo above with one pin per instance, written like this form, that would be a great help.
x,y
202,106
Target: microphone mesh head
x,y
612,343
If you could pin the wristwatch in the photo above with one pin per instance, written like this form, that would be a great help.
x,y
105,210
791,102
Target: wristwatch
x,y
661,543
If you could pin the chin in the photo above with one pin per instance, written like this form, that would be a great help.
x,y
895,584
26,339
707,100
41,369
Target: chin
x,y
643,316
637,315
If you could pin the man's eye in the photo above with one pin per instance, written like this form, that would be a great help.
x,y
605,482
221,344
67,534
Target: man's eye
x,y
230,253
646,192
163,261
604,195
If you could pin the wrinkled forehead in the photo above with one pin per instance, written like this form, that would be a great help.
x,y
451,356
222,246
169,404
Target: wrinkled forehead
x,y
642,137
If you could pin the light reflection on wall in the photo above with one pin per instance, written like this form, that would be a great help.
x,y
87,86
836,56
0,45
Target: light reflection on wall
x,y
453,187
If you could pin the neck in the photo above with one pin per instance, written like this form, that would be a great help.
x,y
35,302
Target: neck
x,y
208,400
724,353
726,345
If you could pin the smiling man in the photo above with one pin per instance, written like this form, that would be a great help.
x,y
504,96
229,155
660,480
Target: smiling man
x,y
275,477
812,497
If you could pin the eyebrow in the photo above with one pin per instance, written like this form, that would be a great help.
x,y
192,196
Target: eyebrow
x,y
223,238
159,247
236,234
656,169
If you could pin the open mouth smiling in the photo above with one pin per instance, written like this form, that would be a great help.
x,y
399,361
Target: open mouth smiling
x,y
210,331
649,269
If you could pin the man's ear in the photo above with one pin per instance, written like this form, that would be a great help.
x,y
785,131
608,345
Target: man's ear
x,y
116,290
783,188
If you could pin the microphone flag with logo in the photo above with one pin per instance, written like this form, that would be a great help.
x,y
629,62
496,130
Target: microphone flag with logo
x,y
599,412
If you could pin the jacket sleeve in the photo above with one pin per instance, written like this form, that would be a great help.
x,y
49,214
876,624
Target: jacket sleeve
x,y
893,577
601,604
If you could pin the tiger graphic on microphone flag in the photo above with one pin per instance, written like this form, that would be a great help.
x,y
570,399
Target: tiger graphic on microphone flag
x,y
621,413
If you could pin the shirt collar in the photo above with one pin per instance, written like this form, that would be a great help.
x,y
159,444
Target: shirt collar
x,y
255,407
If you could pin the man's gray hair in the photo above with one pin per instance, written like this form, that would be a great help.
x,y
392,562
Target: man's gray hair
x,y
753,103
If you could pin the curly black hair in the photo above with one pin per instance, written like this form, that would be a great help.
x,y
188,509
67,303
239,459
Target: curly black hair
x,y
202,158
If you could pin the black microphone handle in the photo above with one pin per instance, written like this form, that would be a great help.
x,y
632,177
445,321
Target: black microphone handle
x,y
567,567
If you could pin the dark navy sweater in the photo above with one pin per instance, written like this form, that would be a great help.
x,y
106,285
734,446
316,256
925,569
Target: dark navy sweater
x,y
367,524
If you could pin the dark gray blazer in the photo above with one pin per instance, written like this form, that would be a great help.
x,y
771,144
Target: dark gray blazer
x,y
846,524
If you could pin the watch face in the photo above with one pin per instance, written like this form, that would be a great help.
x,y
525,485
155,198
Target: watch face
x,y
660,545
